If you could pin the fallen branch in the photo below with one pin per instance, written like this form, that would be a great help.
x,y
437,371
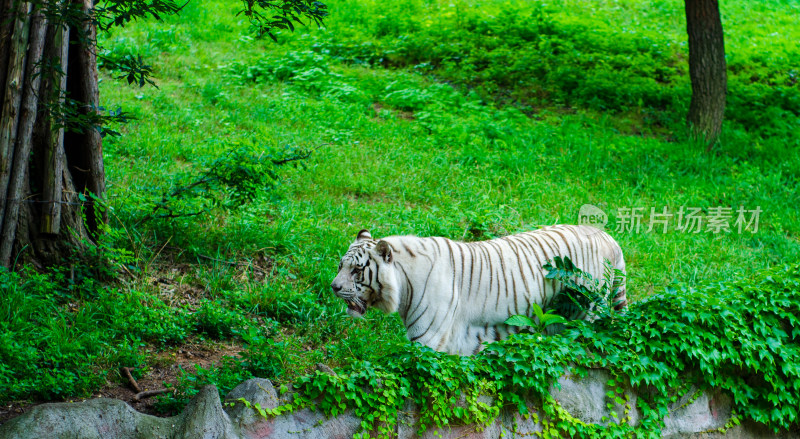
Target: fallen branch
x,y
126,371
149,393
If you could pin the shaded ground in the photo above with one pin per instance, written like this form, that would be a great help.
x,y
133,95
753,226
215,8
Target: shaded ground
x,y
177,285
165,369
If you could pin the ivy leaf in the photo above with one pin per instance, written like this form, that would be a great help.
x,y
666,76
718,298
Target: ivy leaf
x,y
519,320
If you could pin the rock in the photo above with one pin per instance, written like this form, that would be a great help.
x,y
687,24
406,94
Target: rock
x,y
710,411
94,419
204,418
207,418
302,423
256,391
325,369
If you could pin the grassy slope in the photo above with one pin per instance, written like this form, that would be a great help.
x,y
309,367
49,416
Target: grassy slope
x,y
458,168
398,152
459,165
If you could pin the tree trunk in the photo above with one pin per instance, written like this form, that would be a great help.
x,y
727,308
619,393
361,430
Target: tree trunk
x,y
52,137
22,150
49,182
6,29
17,48
707,70
85,150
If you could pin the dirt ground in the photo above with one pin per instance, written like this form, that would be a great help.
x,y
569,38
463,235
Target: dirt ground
x,y
165,368
176,283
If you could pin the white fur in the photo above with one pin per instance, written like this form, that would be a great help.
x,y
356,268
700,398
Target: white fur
x,y
453,296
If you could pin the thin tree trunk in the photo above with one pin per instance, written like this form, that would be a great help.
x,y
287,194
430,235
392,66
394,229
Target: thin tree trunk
x,y
6,27
707,69
22,147
84,151
53,137
12,99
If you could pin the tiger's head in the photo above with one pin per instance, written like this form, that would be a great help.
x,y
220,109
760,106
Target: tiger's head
x,y
366,276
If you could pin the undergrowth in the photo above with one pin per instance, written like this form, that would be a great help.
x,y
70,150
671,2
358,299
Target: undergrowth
x,y
537,56
740,336
468,120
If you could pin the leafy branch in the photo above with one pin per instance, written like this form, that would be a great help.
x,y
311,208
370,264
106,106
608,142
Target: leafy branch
x,y
266,16
74,116
230,181
129,67
113,13
582,293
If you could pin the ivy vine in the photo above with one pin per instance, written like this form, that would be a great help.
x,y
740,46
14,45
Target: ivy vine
x,y
740,336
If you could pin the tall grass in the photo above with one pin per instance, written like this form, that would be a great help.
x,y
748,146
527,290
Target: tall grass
x,y
468,120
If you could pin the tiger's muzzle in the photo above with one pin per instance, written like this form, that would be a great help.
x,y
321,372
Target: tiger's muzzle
x,y
355,305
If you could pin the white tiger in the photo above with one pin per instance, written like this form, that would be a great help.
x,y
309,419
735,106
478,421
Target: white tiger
x,y
453,296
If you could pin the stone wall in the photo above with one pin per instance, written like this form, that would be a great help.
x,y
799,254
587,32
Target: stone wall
x,y
206,417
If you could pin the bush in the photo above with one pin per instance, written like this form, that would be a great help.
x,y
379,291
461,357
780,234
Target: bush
x,y
740,336
306,71
219,322
50,350
144,316
265,357
533,55
225,376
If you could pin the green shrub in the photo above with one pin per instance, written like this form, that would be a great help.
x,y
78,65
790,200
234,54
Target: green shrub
x,y
286,68
534,55
305,71
225,376
219,322
445,387
144,316
49,350
265,357
740,336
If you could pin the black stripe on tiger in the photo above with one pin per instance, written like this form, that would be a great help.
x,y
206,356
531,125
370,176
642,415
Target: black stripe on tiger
x,y
452,296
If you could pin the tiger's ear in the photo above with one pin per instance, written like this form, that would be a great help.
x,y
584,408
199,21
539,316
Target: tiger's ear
x,y
363,234
384,250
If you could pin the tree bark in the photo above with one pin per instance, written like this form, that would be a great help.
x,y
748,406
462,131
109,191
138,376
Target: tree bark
x,y
52,137
707,70
84,150
6,28
22,147
17,47
45,176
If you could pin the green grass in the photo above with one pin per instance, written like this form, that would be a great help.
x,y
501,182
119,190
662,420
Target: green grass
x,y
471,120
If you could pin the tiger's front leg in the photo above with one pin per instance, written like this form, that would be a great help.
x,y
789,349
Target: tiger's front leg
x,y
465,339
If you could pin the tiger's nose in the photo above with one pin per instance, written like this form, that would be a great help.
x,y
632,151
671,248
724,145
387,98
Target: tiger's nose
x,y
336,287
